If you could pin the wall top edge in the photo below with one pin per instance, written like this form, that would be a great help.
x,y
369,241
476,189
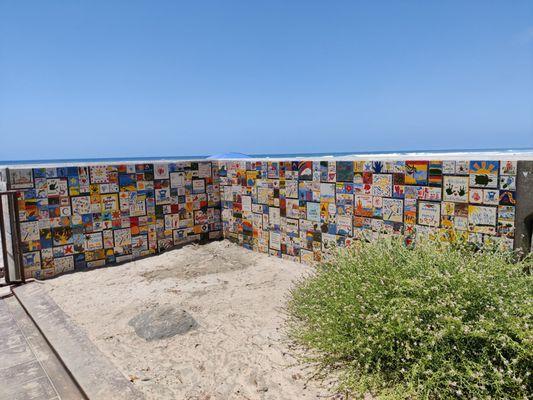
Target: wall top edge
x,y
91,163
485,155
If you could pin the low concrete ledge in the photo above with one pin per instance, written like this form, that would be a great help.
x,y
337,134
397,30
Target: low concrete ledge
x,y
97,377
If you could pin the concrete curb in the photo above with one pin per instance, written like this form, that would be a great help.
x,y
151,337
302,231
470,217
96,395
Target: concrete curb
x,y
96,376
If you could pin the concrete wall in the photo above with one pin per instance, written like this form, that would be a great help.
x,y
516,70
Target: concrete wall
x,y
524,209
75,217
293,208
80,216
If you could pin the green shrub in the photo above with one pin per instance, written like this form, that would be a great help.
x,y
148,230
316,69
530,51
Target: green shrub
x,y
433,322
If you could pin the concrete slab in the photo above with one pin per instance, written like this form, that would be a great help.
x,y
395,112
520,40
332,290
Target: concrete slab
x,y
39,388
94,373
45,357
17,375
21,374
16,355
13,338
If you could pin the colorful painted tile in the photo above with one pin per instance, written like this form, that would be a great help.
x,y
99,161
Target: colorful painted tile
x,y
435,173
484,174
98,174
313,211
416,172
393,210
305,170
508,168
462,167
428,213
507,182
475,196
455,188
161,171
482,219
507,197
382,185
21,178
345,171
363,205
29,231
448,167
491,197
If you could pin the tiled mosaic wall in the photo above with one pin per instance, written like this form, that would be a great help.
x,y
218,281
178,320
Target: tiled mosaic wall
x,y
292,209
86,216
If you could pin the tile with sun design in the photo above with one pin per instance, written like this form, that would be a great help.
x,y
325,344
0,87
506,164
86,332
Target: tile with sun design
x,y
484,174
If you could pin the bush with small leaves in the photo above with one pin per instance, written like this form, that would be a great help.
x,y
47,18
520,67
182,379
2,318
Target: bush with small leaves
x,y
431,322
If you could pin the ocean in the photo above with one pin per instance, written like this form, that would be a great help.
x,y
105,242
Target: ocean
x,y
463,152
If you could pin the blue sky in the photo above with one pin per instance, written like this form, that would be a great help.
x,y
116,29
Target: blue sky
x,y
150,78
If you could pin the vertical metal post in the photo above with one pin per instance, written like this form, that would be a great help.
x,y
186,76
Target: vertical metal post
x,y
17,247
4,244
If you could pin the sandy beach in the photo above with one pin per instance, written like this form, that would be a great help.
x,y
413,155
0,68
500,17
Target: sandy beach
x,y
238,348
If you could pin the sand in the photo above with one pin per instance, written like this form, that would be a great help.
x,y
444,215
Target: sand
x,y
239,348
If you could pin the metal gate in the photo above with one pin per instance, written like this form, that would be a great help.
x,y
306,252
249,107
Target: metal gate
x,y
9,230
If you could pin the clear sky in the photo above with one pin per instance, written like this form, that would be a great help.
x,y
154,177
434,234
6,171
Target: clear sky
x,y
153,78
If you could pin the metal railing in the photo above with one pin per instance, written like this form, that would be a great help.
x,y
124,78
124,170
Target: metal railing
x,y
10,238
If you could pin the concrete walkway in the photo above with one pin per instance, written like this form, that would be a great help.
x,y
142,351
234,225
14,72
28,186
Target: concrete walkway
x,y
29,369
95,374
